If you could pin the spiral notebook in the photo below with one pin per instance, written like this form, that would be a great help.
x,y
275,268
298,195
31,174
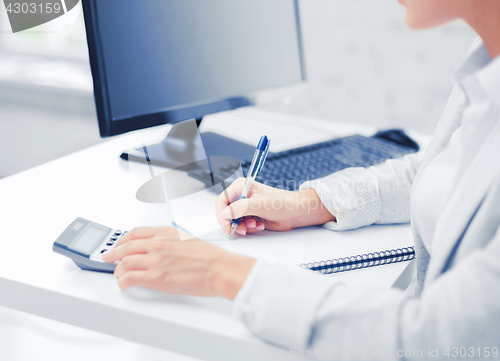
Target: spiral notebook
x,y
322,250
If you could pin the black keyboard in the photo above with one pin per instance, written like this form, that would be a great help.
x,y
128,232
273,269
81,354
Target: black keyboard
x,y
290,168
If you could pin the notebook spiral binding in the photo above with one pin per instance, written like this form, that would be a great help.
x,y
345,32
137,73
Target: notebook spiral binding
x,y
362,261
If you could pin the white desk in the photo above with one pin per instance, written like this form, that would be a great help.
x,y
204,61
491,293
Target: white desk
x,y
38,204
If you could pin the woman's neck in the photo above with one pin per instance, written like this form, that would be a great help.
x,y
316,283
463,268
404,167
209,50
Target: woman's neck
x,y
491,40
485,20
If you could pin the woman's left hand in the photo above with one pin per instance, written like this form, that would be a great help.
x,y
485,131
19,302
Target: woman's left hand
x,y
154,257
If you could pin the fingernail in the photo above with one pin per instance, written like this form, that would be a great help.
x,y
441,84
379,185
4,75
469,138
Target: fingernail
x,y
240,231
104,255
226,213
250,224
260,227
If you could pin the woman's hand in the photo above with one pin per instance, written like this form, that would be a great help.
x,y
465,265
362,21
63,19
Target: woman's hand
x,y
269,208
156,258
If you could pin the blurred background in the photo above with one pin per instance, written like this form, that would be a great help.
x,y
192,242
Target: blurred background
x,y
363,66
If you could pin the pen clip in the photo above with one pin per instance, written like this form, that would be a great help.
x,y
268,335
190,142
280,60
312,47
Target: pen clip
x,y
264,155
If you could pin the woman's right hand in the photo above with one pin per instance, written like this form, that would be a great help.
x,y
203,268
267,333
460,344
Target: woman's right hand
x,y
269,208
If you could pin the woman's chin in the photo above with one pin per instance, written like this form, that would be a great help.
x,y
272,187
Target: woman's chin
x,y
418,23
413,25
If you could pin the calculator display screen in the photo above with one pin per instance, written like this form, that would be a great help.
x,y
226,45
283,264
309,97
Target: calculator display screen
x,y
88,240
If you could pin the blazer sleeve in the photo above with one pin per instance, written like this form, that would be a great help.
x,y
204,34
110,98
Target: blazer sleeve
x,y
301,310
359,197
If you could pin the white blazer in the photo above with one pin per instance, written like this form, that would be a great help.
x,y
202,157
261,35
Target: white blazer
x,y
456,304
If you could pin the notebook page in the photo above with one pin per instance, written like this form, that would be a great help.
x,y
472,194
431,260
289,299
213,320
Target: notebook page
x,y
315,244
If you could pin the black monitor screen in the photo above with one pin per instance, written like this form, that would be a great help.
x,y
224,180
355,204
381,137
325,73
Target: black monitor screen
x,y
153,56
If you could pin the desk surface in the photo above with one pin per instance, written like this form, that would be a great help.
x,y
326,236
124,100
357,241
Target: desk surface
x,y
38,204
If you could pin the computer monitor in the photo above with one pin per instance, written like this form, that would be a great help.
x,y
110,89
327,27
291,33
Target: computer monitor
x,y
165,61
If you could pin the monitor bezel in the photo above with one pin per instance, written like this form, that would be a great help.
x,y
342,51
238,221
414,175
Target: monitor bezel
x,y
110,127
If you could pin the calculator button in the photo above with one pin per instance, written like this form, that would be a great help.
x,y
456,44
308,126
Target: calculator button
x,y
118,232
114,238
103,250
109,243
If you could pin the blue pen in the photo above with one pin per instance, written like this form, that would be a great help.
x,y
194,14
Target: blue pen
x,y
255,167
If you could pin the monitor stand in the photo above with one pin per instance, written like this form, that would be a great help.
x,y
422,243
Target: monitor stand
x,y
184,150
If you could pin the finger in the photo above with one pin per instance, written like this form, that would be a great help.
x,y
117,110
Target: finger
x,y
138,233
134,279
127,249
249,222
242,208
135,262
231,194
227,227
167,233
224,223
258,228
241,229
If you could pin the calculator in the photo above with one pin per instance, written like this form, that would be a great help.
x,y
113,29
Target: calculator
x,y
84,242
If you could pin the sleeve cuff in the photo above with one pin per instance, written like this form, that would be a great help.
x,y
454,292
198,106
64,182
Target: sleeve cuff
x,y
278,302
351,195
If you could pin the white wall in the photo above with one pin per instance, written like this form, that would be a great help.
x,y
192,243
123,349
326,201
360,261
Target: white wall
x,y
365,66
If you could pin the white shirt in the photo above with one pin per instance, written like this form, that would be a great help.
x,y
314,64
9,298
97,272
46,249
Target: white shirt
x,y
478,122
297,308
